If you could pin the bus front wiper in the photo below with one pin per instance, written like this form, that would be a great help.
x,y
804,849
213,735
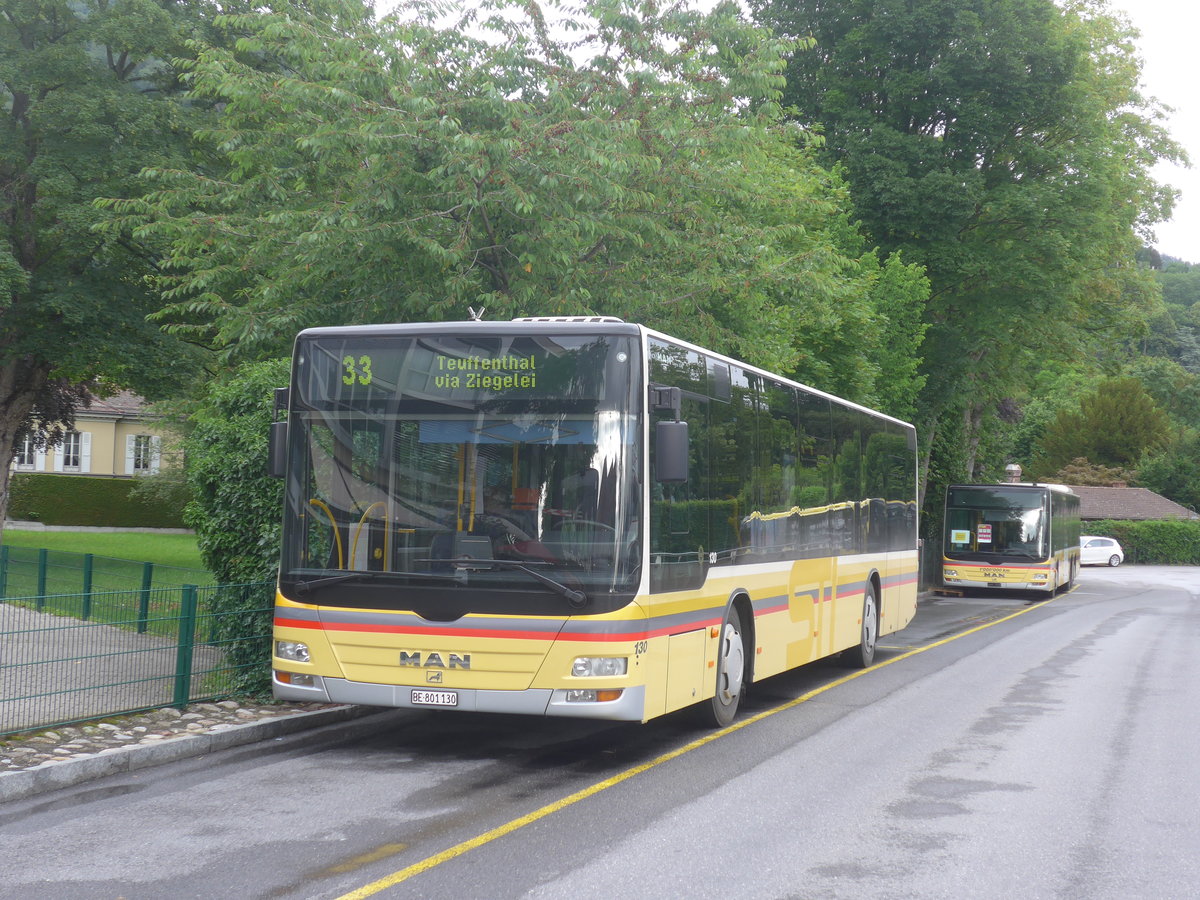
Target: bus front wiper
x,y
577,599
305,587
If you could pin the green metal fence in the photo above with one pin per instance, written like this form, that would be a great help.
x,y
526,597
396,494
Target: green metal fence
x,y
29,572
73,657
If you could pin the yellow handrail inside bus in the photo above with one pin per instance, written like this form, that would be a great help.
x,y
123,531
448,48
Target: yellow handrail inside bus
x,y
361,522
462,464
337,536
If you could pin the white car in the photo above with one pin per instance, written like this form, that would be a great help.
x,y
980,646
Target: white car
x,y
1100,551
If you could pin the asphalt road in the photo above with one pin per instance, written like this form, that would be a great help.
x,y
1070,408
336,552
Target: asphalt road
x,y
999,748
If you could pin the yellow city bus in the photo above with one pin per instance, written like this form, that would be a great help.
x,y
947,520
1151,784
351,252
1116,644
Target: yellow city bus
x,y
575,517
1013,536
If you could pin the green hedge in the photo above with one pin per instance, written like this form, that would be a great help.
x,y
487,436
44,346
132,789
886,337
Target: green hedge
x,y
87,501
1163,542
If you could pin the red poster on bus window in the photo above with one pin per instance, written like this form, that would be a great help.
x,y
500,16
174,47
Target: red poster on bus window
x,y
985,534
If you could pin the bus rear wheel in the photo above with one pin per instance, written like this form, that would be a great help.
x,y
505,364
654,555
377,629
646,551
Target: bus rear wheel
x,y
731,672
862,656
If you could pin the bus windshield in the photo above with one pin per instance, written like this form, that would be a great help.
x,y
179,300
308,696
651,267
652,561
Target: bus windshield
x,y
426,471
995,522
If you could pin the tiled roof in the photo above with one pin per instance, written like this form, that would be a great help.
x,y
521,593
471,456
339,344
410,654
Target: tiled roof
x,y
1127,503
124,404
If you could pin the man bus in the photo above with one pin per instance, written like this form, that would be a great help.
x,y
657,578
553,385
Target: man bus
x,y
575,517
1016,536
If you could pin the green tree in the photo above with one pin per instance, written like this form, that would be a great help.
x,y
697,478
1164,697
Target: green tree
x,y
1004,145
1113,426
1175,389
236,510
1080,471
236,505
407,170
1180,283
1174,471
85,103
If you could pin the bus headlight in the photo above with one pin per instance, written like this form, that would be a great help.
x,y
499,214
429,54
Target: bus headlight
x,y
597,666
296,680
594,696
293,650
951,573
1040,576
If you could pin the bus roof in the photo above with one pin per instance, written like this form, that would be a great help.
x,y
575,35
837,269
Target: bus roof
x,y
1057,488
571,325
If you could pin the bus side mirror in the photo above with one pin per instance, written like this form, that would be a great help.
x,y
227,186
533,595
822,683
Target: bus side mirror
x,y
671,452
277,450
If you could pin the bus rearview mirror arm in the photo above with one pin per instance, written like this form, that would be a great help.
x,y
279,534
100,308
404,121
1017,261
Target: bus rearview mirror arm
x,y
277,439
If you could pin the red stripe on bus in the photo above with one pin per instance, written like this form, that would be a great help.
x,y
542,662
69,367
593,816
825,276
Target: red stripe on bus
x,y
613,637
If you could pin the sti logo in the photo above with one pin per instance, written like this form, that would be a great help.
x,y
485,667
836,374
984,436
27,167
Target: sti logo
x,y
434,660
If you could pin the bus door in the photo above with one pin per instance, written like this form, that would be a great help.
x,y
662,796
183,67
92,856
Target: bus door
x,y
810,587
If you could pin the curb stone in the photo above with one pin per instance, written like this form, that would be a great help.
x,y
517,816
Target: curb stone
x,y
56,774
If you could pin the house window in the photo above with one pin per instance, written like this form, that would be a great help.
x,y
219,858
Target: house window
x,y
143,453
70,450
26,454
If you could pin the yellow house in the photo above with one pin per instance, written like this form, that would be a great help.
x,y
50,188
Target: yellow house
x,y
113,437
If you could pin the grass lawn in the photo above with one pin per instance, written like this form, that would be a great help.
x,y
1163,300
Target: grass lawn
x,y
161,549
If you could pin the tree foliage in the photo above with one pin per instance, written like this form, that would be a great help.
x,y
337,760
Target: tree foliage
x,y
1180,283
1174,471
407,170
1112,426
1006,147
1080,471
85,104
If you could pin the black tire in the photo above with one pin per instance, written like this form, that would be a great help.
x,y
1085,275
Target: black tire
x,y
731,672
862,656
1114,560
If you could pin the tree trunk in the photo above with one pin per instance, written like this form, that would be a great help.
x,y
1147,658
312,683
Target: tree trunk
x,y
926,454
972,434
21,380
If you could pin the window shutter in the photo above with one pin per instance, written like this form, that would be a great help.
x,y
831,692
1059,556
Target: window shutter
x,y
85,451
129,446
155,453
39,464
59,453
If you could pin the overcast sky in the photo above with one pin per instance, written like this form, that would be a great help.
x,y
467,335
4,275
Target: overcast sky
x,y
1169,30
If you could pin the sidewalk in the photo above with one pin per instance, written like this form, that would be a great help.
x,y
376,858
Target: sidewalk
x,y
127,743
102,529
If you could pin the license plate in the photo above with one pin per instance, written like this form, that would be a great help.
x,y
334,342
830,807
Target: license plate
x,y
435,698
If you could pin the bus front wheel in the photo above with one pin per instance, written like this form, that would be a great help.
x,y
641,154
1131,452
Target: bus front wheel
x,y
731,672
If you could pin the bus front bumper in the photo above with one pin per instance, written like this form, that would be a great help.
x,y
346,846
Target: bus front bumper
x,y
629,707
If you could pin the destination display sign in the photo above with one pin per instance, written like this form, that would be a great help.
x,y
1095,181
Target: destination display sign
x,y
373,373
481,373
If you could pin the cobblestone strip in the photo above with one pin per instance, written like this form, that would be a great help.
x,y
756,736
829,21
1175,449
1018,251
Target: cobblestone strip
x,y
39,761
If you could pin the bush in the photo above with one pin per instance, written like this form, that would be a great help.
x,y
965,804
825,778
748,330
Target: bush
x,y
1163,542
89,501
237,510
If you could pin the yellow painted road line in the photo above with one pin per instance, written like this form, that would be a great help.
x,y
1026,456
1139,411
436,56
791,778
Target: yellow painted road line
x,y
370,890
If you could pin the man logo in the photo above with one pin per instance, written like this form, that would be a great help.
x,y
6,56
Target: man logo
x,y
434,660
433,676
